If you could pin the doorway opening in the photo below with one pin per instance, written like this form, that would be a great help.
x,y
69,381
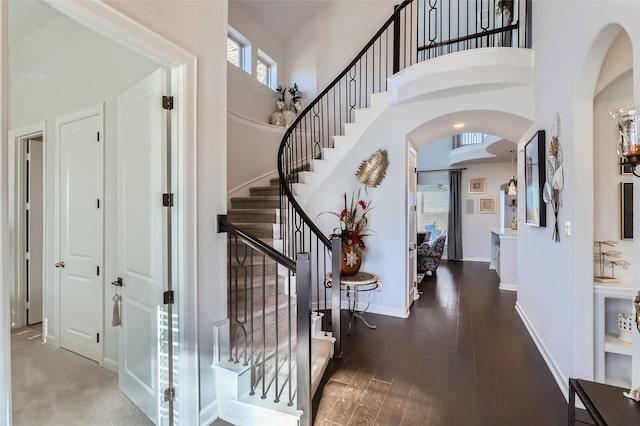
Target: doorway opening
x,y
159,54
27,181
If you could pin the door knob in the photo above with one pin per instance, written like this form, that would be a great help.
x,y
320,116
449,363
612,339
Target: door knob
x,y
59,265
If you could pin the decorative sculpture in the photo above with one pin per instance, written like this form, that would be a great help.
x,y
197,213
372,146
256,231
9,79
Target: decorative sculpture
x,y
555,177
372,171
608,259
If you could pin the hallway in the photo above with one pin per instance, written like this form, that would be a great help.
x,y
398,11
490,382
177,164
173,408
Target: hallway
x,y
463,357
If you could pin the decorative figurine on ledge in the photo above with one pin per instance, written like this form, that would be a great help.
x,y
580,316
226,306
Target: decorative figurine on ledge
x,y
605,258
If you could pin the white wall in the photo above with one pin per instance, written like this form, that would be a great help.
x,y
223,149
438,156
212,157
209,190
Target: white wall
x,y
61,68
201,28
606,189
326,44
555,291
435,156
476,227
387,251
252,153
246,95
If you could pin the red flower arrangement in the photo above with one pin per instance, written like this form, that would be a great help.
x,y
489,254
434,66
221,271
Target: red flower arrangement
x,y
353,222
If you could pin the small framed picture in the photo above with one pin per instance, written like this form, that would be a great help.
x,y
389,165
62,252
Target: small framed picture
x,y
626,210
486,205
625,170
477,185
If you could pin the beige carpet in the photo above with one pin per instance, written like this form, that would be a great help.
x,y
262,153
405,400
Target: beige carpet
x,y
51,386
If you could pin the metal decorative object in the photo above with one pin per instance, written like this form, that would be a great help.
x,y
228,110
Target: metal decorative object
x,y
636,303
607,258
555,177
372,171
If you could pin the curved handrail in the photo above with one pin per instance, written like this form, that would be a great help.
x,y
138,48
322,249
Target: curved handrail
x,y
404,39
286,189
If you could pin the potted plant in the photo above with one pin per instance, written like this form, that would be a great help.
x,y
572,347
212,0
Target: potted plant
x,y
352,231
287,110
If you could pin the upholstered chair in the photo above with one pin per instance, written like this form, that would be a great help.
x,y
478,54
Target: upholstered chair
x,y
429,255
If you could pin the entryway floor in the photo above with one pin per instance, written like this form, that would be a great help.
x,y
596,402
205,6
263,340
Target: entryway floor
x,y
55,387
463,357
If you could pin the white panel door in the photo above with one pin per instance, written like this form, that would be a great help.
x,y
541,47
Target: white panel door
x,y
141,236
35,233
412,236
81,233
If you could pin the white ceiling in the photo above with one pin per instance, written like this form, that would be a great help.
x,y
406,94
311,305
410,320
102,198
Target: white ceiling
x,y
26,16
283,17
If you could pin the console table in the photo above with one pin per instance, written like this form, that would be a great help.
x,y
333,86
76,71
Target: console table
x,y
361,282
605,404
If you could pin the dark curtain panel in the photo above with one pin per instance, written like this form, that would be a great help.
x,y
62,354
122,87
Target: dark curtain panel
x,y
454,238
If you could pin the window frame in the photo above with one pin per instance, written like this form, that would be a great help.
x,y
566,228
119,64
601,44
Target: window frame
x,y
271,77
244,53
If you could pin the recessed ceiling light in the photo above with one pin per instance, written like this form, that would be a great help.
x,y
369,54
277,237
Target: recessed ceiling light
x,y
458,126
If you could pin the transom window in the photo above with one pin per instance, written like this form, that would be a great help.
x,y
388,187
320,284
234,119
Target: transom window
x,y
238,50
266,70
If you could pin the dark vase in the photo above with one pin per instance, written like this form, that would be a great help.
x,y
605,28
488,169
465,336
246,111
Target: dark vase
x,y
351,259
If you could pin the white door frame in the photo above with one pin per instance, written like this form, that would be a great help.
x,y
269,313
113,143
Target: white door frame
x,y
16,219
107,21
412,290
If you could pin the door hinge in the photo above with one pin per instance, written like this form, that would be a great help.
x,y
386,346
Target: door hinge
x,y
27,305
97,270
97,136
169,394
167,200
168,297
167,102
97,337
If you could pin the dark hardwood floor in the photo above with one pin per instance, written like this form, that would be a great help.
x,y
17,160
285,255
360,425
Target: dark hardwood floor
x,y
463,357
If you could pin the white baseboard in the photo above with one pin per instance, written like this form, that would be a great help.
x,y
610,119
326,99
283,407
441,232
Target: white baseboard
x,y
561,380
476,259
209,414
508,287
385,310
110,364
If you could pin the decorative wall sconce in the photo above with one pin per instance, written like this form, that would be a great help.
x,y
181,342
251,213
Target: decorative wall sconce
x,y
513,182
628,138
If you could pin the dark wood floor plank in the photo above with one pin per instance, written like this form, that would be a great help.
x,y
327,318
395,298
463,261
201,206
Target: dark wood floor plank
x,y
463,357
349,400
332,391
367,412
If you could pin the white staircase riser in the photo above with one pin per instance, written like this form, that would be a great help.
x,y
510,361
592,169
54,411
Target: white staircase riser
x,y
342,146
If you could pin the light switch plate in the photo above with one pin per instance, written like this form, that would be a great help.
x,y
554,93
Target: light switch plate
x,y
567,228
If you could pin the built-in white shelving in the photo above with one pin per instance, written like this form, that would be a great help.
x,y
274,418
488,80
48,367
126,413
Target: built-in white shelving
x,y
613,356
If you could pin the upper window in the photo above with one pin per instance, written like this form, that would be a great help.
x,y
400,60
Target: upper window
x,y
238,50
233,52
266,70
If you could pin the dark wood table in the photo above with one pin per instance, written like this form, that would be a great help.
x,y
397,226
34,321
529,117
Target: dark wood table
x,y
605,404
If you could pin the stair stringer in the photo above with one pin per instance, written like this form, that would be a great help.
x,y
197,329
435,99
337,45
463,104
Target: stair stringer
x,y
332,157
233,385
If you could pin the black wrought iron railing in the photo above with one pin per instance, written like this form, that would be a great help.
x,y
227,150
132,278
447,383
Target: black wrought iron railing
x,y
270,332
270,329
417,30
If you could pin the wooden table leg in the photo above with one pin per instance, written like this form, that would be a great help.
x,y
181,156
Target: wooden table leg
x,y
572,403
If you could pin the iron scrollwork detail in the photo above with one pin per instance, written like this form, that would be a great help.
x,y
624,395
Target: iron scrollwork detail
x,y
636,303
